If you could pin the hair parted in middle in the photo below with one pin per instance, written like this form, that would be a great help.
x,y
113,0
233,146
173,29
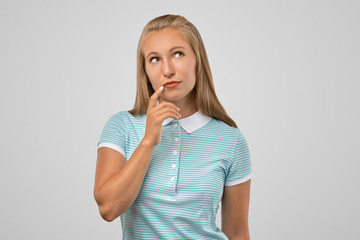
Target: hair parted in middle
x,y
206,99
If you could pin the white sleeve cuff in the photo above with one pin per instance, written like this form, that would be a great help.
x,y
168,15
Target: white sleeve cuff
x,y
112,146
241,180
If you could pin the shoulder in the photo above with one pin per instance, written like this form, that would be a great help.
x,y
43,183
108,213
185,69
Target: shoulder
x,y
225,129
120,116
125,118
232,135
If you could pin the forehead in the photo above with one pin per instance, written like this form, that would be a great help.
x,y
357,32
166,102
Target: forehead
x,y
165,39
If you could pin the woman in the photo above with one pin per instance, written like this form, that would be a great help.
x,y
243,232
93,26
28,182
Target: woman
x,y
165,165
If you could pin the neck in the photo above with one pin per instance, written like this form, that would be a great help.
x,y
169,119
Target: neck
x,y
187,104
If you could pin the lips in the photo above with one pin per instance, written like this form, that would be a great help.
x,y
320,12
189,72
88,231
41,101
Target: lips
x,y
171,82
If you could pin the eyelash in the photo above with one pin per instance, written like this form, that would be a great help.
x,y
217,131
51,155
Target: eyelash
x,y
180,53
151,59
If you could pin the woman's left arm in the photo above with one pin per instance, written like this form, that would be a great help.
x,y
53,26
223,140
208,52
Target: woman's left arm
x,y
234,211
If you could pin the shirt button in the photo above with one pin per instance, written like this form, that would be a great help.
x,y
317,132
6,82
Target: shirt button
x,y
175,125
172,178
176,139
173,166
175,152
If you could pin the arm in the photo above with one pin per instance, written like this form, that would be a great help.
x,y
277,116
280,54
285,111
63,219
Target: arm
x,y
234,211
117,182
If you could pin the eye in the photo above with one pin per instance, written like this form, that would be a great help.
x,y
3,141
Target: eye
x,y
178,54
154,59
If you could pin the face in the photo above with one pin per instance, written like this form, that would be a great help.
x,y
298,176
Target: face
x,y
169,57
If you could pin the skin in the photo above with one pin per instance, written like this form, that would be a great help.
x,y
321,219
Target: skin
x,y
234,211
117,181
168,57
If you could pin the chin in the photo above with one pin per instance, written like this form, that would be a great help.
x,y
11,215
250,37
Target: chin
x,y
172,97
176,95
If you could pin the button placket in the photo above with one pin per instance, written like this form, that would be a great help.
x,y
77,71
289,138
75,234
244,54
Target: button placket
x,y
175,142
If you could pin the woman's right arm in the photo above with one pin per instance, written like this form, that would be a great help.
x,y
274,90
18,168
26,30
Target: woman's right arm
x,y
117,182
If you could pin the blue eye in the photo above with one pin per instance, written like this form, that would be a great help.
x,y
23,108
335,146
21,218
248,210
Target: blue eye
x,y
178,54
154,59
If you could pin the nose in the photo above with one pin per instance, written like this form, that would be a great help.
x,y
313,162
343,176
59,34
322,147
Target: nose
x,y
168,69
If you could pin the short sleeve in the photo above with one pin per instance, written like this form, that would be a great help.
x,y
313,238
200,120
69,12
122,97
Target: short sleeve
x,y
240,170
114,133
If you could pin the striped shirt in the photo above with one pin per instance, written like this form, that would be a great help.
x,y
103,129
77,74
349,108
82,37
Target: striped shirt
x,y
179,198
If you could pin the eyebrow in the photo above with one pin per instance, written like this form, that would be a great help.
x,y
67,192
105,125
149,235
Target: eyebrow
x,y
172,49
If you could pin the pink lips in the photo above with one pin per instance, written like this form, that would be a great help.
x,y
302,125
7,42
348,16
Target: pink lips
x,y
171,84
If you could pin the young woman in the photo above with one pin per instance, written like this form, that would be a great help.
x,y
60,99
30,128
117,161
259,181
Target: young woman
x,y
165,165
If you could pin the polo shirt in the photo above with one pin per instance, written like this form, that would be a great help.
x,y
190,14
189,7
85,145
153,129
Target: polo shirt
x,y
196,157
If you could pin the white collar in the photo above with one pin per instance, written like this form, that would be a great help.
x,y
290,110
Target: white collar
x,y
192,122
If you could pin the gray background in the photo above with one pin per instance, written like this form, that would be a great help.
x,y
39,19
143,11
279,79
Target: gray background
x,y
286,71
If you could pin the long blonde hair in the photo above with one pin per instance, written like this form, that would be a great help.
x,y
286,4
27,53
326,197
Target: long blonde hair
x,y
206,99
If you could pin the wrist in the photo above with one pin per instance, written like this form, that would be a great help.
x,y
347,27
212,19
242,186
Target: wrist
x,y
147,143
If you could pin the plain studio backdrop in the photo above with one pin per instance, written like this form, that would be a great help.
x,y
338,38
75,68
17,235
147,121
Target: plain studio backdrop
x,y
286,71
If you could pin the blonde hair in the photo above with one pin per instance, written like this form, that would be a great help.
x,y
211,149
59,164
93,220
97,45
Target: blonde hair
x,y
206,99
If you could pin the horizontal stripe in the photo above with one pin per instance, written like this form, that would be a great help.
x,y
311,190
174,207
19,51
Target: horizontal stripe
x,y
196,158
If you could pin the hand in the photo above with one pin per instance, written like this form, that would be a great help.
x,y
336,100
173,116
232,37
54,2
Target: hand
x,y
156,114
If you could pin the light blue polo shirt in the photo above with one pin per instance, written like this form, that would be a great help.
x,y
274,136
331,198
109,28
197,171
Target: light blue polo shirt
x,y
196,157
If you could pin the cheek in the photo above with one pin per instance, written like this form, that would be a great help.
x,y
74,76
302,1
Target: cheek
x,y
188,69
192,72
150,73
153,76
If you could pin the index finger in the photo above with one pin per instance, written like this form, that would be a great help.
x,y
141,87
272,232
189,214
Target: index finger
x,y
155,96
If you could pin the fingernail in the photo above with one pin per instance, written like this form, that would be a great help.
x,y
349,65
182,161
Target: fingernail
x,y
178,109
162,87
